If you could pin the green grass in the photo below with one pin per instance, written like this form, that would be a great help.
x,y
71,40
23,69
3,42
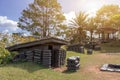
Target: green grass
x,y
32,71
111,47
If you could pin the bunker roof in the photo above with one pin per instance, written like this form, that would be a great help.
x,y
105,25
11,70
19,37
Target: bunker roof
x,y
48,40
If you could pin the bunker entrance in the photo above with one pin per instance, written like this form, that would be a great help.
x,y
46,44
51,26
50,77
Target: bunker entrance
x,y
54,56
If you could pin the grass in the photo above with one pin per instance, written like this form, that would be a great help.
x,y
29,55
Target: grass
x,y
111,47
89,69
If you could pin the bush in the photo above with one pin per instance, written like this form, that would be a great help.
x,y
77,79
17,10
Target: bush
x,y
6,56
64,47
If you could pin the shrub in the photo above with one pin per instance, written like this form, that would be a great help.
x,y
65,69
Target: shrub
x,y
6,56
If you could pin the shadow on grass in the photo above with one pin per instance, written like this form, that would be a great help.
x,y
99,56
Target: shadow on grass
x,y
69,71
29,66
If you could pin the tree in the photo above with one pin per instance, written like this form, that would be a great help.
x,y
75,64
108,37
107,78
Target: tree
x,y
4,39
106,11
115,20
103,16
91,27
79,23
17,38
42,17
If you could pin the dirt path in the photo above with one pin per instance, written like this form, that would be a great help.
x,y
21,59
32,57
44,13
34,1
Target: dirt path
x,y
104,74
95,69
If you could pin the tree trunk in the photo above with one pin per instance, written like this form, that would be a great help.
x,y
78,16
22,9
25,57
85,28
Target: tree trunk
x,y
44,32
108,36
103,36
99,35
91,36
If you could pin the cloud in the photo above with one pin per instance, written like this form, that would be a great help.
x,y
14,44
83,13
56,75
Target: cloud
x,y
7,25
89,6
69,16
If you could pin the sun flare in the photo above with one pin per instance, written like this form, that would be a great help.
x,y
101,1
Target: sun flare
x,y
89,6
92,6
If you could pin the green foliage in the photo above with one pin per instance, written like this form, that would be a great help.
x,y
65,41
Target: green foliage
x,y
104,14
6,56
104,19
3,54
91,27
64,47
42,16
78,23
17,39
107,10
115,20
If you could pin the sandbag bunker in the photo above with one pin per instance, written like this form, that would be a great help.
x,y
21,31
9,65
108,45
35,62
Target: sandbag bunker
x,y
46,51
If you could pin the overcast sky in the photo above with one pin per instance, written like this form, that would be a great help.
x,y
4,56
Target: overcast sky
x,y
10,10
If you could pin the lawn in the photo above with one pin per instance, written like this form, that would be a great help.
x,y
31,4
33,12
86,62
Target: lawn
x,y
111,47
89,69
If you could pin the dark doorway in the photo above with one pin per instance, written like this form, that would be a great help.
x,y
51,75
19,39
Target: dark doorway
x,y
50,47
55,58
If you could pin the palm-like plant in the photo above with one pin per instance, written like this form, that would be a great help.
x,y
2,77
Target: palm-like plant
x,y
79,23
91,27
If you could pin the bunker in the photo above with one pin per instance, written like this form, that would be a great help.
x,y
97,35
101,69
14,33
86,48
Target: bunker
x,y
76,47
46,51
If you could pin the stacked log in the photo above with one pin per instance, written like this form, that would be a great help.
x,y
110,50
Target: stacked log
x,y
97,48
38,56
93,45
81,49
73,63
58,58
30,56
89,51
63,57
46,58
76,47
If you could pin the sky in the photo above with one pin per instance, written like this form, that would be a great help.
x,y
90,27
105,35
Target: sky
x,y
10,10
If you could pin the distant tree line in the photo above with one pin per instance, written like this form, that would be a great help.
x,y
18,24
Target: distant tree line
x,y
44,18
105,23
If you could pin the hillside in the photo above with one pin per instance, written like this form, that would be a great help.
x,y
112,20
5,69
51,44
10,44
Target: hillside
x,y
89,69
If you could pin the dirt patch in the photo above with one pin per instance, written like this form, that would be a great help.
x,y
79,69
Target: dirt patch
x,y
106,56
94,70
61,69
102,74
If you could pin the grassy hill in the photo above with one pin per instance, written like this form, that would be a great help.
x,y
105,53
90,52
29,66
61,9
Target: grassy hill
x,y
89,69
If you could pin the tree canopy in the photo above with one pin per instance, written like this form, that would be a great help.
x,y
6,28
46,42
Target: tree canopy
x,y
78,23
42,17
105,22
